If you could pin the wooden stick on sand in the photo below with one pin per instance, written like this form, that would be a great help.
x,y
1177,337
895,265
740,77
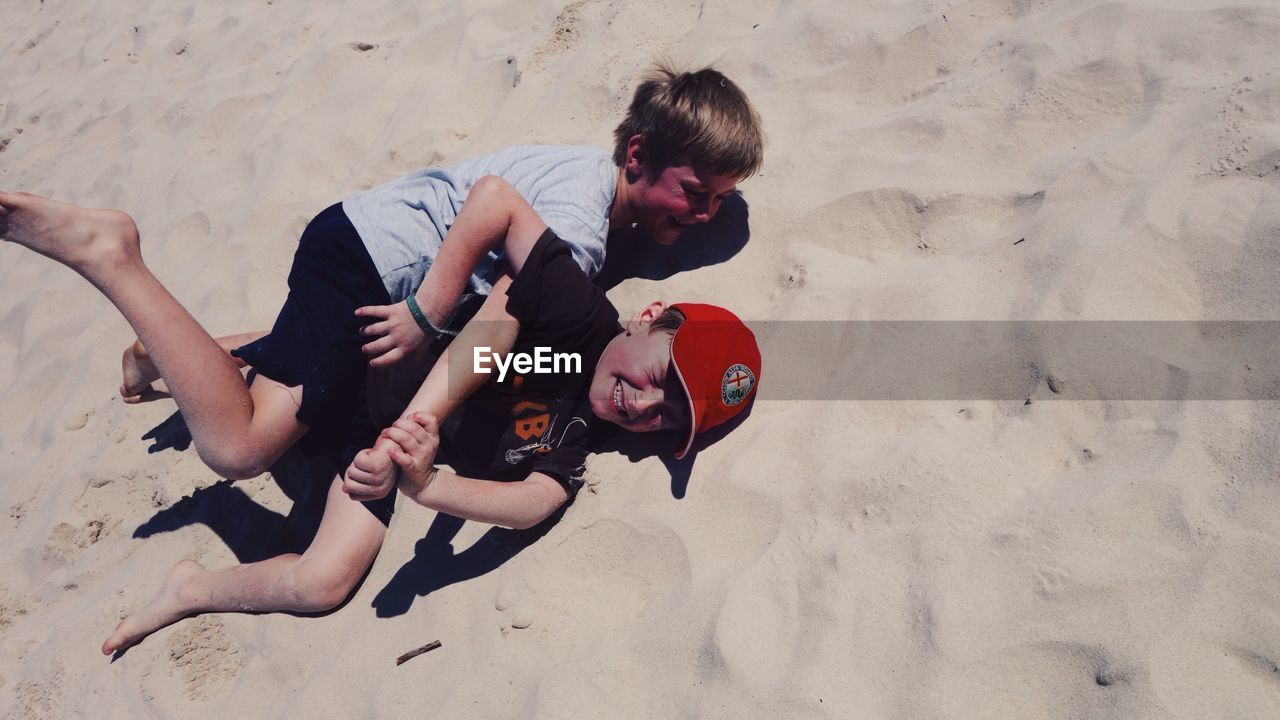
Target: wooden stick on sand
x,y
415,653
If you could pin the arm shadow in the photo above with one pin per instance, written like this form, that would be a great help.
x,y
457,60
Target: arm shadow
x,y
436,565
632,255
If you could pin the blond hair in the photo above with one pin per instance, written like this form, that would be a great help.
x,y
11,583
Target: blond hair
x,y
669,321
697,117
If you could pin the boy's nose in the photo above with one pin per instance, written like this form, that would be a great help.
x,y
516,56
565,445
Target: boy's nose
x,y
646,403
706,210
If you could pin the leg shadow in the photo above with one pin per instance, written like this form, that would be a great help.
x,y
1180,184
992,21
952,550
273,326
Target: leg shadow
x,y
250,530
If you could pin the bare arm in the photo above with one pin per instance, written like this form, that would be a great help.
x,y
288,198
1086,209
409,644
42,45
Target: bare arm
x,y
414,441
493,217
451,380
493,213
519,505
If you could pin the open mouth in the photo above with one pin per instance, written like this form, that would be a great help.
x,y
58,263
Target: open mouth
x,y
617,398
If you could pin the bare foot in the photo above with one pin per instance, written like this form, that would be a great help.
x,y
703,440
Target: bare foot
x,y
139,373
166,608
91,242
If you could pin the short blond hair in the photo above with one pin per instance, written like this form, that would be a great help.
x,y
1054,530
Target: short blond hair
x,y
698,117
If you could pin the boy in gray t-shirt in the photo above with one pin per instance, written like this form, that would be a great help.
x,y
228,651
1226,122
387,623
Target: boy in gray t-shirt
x,y
403,222
687,139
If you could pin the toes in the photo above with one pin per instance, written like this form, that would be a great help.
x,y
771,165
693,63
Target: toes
x,y
147,394
129,396
116,641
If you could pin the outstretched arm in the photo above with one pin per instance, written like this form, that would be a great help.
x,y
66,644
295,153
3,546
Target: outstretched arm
x,y
494,217
372,475
517,505
493,210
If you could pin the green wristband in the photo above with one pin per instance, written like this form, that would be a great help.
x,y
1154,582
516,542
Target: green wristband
x,y
421,318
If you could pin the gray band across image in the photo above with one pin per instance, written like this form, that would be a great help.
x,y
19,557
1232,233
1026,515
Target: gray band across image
x,y
1017,360
1004,360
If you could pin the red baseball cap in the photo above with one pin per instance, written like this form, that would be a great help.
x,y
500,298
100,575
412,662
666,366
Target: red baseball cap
x,y
718,363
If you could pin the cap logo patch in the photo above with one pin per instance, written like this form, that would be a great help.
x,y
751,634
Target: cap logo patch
x,y
736,384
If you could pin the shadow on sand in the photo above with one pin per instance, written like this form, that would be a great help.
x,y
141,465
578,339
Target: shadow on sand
x,y
630,255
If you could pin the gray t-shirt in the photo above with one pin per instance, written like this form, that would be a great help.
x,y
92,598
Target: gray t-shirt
x,y
403,222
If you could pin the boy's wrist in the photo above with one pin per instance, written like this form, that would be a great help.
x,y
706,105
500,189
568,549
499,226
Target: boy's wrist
x,y
436,318
416,489
424,323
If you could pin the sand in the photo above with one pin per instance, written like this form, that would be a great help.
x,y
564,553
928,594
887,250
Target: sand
x,y
927,559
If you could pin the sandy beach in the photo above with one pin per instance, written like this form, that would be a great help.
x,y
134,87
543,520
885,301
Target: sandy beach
x,y
1003,160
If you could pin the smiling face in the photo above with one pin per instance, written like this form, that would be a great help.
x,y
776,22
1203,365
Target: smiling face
x,y
663,204
635,386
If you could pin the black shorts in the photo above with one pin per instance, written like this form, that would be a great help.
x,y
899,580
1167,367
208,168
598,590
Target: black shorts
x,y
316,341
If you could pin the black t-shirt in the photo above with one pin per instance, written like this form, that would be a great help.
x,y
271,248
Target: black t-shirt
x,y
539,422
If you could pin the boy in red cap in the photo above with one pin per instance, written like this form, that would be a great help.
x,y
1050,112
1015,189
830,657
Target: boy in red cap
x,y
687,367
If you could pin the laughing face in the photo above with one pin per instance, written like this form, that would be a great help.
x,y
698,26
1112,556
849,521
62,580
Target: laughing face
x,y
663,204
635,385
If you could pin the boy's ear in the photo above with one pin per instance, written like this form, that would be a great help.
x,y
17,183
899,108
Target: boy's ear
x,y
646,315
637,158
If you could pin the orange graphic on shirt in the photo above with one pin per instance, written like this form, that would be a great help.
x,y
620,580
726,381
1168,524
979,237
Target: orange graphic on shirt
x,y
530,426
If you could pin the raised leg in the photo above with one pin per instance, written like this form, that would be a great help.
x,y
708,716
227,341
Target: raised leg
x,y
317,580
103,246
139,371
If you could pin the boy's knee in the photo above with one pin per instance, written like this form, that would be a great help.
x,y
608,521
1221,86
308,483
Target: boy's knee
x,y
235,465
321,589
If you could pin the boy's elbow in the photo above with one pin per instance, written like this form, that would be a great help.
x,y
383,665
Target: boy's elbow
x,y
535,517
524,524
548,496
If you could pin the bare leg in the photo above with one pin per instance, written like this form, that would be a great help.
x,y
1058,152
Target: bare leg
x,y
317,580
139,371
103,246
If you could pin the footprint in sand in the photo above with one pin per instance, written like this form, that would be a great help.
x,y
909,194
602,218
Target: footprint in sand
x,y
202,656
1263,666
1084,680
68,539
8,138
12,608
76,420
36,700
793,277
564,33
513,70
34,42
